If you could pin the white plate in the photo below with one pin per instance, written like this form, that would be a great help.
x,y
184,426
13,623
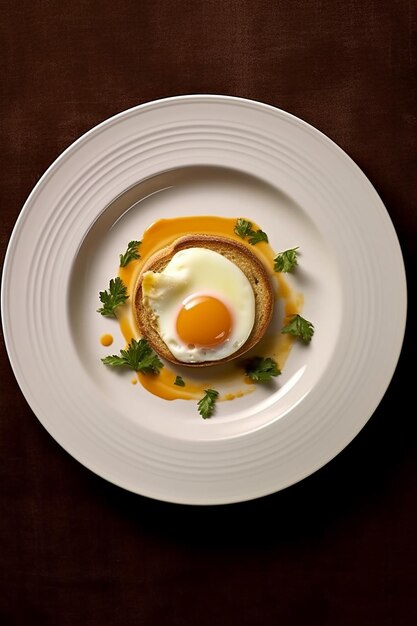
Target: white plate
x,y
204,155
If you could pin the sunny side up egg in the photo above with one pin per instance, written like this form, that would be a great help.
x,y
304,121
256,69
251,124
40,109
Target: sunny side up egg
x,y
204,304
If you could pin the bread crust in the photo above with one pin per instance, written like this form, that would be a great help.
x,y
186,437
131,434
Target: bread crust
x,y
233,250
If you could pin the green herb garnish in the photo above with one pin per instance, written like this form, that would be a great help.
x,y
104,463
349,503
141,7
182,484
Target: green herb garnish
x,y
299,327
243,228
207,403
114,297
256,236
262,369
139,357
131,253
179,381
286,261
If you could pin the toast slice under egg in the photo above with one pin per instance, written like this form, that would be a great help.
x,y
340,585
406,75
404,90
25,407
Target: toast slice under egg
x,y
234,251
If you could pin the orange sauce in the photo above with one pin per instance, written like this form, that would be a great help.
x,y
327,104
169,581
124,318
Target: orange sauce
x,y
126,328
162,385
163,232
106,339
196,383
232,375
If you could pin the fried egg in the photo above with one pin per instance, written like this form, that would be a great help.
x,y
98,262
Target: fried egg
x,y
204,305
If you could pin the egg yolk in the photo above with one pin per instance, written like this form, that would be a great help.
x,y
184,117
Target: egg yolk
x,y
203,321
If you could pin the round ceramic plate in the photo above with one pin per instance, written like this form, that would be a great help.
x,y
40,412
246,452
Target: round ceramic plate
x,y
208,155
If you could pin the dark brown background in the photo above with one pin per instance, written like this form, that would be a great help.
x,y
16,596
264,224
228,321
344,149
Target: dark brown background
x,y
339,548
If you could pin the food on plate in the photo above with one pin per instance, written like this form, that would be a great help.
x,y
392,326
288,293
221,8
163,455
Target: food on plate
x,y
207,403
205,310
262,369
106,339
299,327
131,254
138,356
203,300
113,297
244,229
286,261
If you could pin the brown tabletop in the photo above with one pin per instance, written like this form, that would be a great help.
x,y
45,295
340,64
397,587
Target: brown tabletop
x,y
340,547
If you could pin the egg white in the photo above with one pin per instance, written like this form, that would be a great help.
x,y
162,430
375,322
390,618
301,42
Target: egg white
x,y
200,271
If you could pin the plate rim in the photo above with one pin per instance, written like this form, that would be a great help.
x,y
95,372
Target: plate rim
x,y
19,224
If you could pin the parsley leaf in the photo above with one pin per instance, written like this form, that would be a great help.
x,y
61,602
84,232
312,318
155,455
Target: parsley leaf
x,y
114,297
179,381
139,357
262,369
299,327
130,254
207,402
286,261
242,227
256,236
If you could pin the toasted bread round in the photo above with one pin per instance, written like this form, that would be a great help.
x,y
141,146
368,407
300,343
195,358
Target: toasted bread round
x,y
233,250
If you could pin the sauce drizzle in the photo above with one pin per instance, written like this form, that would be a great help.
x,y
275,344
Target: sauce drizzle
x,y
229,378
